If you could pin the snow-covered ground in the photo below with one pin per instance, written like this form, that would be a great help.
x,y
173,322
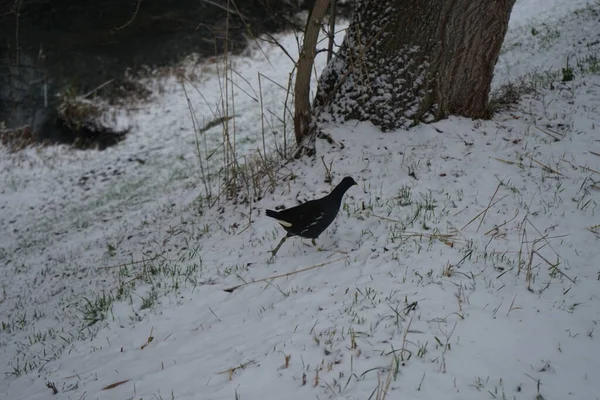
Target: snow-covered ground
x,y
463,266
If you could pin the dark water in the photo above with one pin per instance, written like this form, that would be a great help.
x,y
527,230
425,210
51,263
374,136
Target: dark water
x,y
55,44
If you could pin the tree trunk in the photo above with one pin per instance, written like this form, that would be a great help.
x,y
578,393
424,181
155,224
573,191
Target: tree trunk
x,y
408,61
304,124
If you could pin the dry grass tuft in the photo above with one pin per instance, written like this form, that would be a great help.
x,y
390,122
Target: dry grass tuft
x,y
17,139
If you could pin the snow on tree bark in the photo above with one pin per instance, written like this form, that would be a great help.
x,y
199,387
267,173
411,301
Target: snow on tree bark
x,y
409,61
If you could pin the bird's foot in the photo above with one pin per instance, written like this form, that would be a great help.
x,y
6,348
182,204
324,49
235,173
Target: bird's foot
x,y
313,243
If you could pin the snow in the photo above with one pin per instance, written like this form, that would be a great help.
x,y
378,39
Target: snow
x,y
415,287
564,32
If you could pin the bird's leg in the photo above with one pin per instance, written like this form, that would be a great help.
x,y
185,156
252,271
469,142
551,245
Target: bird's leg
x,y
314,242
276,249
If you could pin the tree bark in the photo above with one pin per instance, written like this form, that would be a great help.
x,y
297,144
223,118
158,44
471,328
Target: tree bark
x,y
408,61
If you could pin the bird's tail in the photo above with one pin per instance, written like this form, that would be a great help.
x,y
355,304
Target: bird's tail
x,y
271,213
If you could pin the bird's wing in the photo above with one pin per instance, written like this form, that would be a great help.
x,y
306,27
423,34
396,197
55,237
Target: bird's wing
x,y
315,220
303,214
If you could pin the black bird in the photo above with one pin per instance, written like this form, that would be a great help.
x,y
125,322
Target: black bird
x,y
310,219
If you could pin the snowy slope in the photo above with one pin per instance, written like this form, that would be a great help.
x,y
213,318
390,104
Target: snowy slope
x,y
415,288
547,36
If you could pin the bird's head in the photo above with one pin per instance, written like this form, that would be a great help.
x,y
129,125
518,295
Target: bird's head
x,y
348,182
